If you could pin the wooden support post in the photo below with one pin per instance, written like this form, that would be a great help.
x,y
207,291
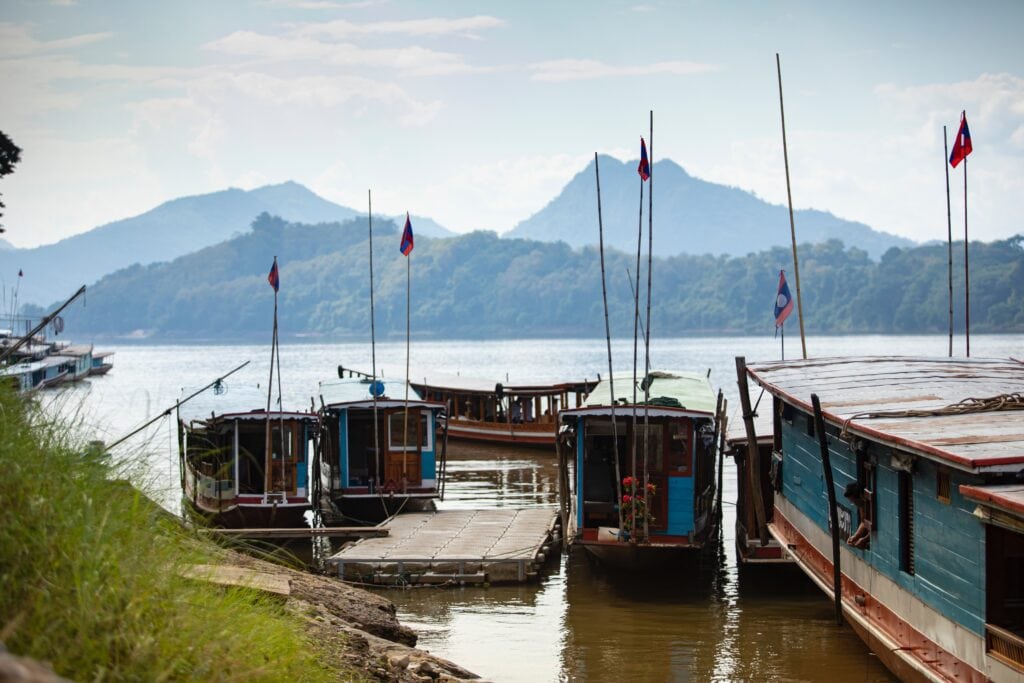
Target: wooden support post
x,y
753,452
833,514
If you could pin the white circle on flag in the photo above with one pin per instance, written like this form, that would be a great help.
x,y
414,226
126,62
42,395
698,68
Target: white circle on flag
x,y
781,301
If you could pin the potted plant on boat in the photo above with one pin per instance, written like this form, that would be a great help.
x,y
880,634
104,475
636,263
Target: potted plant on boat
x,y
636,515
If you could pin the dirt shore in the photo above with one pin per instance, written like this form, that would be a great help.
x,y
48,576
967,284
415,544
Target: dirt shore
x,y
356,627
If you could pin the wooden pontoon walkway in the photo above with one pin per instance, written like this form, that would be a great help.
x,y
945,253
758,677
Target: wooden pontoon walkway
x,y
453,547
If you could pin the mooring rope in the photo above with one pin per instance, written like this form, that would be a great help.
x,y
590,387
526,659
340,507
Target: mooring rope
x,y
992,404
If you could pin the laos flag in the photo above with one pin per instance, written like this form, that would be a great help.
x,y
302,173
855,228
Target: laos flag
x,y
407,243
644,169
274,278
962,145
783,301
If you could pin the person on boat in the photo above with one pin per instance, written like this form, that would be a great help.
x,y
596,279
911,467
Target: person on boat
x,y
855,493
516,411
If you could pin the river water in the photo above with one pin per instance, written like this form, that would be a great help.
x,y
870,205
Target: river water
x,y
577,623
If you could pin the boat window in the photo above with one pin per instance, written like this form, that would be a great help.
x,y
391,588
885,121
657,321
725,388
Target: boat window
x,y
942,486
398,438
655,447
275,441
679,451
1004,588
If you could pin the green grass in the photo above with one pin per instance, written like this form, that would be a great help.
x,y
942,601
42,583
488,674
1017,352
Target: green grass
x,y
90,575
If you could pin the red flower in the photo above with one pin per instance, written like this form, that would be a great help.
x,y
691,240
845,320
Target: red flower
x,y
627,498
627,482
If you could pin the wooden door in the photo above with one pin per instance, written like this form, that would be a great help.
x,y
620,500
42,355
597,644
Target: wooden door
x,y
402,457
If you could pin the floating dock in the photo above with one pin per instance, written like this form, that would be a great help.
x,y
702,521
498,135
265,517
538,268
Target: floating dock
x,y
455,547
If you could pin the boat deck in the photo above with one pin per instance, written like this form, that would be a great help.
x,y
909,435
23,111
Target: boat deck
x,y
453,547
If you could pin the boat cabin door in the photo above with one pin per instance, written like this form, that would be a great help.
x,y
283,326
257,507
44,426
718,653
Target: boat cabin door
x,y
285,449
402,455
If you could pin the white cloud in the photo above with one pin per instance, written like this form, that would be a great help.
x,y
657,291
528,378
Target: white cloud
x,y
580,69
462,26
320,4
411,60
15,40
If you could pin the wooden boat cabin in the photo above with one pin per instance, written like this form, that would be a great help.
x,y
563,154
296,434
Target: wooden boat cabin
x,y
927,462
485,411
653,507
381,454
228,476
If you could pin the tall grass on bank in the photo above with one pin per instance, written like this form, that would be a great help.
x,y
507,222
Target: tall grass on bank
x,y
90,575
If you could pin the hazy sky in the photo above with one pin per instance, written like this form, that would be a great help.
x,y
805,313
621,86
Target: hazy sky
x,y
477,113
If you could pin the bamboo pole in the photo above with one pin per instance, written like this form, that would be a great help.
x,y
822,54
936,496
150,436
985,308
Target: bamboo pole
x,y
373,350
647,337
753,452
608,340
268,474
949,235
833,514
967,270
792,226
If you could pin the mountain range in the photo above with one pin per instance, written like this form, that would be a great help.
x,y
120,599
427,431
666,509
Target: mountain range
x,y
177,227
692,216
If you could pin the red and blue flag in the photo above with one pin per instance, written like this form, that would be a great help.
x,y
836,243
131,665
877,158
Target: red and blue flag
x,y
644,169
962,146
274,278
407,241
783,301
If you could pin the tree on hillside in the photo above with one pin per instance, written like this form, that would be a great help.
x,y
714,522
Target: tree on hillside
x,y
10,154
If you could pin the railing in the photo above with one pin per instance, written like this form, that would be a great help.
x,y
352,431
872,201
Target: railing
x,y
1006,646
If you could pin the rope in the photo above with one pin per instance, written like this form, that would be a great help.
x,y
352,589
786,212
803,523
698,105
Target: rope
x,y
992,404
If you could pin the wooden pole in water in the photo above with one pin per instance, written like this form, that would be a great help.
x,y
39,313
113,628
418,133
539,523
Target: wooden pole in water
x,y
833,514
268,474
373,350
792,226
647,336
949,235
753,452
608,340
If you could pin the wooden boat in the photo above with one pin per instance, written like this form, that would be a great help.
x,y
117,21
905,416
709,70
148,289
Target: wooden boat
x,y
485,411
931,453
380,453
100,366
754,545
680,466
230,479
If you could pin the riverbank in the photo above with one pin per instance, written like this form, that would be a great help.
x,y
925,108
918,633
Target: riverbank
x,y
98,582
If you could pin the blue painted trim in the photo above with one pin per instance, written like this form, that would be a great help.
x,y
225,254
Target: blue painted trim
x,y
302,469
343,447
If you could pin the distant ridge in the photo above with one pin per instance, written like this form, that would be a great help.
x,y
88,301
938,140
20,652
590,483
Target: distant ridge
x,y
176,227
691,216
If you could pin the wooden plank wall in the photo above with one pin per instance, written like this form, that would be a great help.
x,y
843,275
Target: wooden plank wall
x,y
949,543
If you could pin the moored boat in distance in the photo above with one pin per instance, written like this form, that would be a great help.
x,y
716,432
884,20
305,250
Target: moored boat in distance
x,y
380,453
491,412
926,456
650,512
228,476
100,366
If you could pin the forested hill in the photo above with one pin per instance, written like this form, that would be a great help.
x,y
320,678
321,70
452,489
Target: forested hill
x,y
479,286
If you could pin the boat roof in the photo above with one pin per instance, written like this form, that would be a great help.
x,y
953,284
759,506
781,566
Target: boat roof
x,y
237,402
764,427
872,397
691,391
1006,497
75,350
354,392
477,385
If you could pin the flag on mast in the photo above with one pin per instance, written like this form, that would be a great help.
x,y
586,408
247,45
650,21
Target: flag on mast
x,y
783,301
644,169
962,146
407,241
274,278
